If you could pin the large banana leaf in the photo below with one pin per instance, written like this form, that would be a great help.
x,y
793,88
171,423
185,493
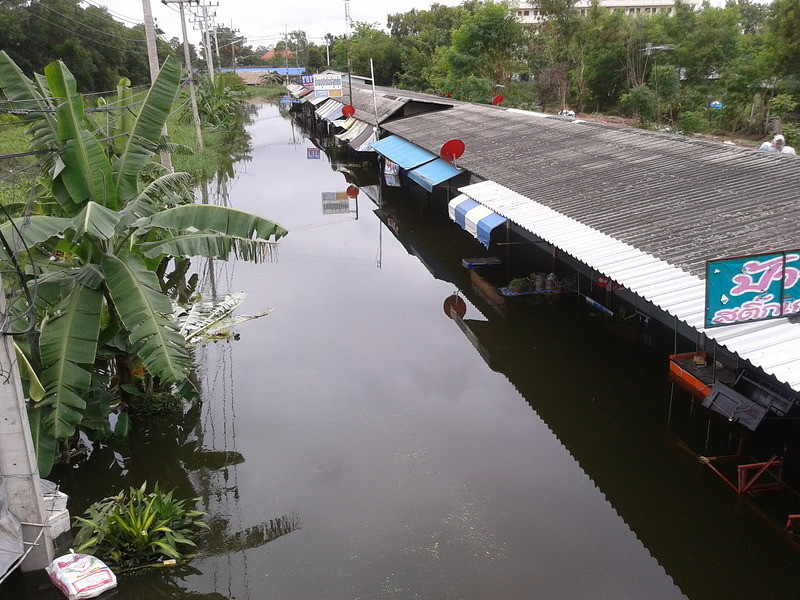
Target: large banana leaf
x,y
218,219
26,96
146,132
24,233
211,245
147,314
167,190
67,349
87,172
43,441
96,221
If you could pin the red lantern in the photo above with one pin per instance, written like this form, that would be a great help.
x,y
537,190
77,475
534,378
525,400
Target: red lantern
x,y
602,281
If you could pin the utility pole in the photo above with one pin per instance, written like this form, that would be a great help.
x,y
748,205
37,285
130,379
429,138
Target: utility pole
x,y
204,31
187,57
286,53
18,461
347,21
152,58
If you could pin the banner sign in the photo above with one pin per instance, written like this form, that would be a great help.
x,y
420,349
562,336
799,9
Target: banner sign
x,y
752,288
312,153
307,80
391,173
335,203
328,86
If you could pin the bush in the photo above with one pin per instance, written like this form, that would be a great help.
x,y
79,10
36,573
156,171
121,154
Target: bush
x,y
640,101
139,527
690,122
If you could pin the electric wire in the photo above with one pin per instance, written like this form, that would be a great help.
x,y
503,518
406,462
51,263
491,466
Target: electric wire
x,y
109,12
95,41
100,31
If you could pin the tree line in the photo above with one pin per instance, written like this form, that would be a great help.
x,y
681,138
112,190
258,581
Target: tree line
x,y
698,68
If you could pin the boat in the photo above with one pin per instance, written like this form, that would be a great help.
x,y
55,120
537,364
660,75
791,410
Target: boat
x,y
739,395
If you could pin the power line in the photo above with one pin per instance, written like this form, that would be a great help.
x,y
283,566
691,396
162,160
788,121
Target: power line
x,y
110,12
94,41
100,31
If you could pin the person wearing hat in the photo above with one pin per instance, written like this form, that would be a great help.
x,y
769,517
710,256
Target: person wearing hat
x,y
778,144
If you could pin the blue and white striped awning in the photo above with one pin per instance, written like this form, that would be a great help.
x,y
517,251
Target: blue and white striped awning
x,y
474,217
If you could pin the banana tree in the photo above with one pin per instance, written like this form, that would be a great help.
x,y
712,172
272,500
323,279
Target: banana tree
x,y
91,244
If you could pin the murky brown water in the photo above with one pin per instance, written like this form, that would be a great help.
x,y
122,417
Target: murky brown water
x,y
355,445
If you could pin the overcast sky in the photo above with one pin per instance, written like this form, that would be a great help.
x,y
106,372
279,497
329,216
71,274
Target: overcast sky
x,y
264,22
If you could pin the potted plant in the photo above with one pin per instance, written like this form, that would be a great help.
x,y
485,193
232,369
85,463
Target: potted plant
x,y
520,284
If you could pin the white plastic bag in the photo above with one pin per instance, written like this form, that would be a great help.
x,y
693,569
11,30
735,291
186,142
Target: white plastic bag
x,y
81,576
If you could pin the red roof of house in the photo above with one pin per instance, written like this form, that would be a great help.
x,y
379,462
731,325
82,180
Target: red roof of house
x,y
283,54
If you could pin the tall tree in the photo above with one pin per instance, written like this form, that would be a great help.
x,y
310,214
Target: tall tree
x,y
784,28
487,45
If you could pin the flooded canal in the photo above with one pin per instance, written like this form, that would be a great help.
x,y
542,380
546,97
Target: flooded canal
x,y
357,444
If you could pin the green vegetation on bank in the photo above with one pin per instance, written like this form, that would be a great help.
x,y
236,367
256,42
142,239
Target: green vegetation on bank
x,y
93,250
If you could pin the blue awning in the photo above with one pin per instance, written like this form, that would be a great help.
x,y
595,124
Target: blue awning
x,y
404,153
474,217
433,173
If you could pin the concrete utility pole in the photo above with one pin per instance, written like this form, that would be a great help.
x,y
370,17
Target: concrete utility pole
x,y
18,460
152,59
204,31
187,57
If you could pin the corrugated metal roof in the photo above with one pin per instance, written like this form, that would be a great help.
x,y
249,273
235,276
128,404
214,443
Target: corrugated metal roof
x,y
681,199
388,102
770,345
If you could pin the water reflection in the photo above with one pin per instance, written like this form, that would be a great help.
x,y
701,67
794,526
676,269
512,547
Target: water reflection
x,y
222,541
419,472
162,583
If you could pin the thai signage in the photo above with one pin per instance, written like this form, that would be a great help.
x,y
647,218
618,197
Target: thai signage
x,y
313,153
752,288
328,85
335,203
307,80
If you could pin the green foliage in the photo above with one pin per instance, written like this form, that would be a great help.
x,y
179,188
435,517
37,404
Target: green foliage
x,y
218,104
100,307
98,47
782,104
520,284
784,37
791,131
485,45
139,527
640,102
692,122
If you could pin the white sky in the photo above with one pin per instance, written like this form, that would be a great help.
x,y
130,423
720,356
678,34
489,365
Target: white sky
x,y
264,22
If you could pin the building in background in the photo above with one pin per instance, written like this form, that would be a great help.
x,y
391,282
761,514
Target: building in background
x,y
529,13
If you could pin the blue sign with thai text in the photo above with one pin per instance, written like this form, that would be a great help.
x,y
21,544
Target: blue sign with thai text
x,y
752,288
